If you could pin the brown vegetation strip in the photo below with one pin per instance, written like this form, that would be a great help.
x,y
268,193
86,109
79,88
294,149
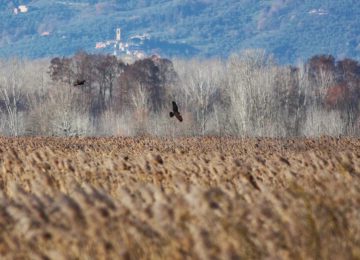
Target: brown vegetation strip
x,y
201,198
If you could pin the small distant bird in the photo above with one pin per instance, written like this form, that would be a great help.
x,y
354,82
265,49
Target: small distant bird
x,y
79,82
176,112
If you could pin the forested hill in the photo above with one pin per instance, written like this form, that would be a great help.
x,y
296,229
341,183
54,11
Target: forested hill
x,y
291,29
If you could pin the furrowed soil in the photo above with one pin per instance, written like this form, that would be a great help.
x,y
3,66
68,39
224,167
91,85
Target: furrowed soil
x,y
184,198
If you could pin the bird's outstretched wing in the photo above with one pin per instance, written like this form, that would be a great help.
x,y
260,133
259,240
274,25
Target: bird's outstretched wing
x,y
175,107
79,82
176,112
179,117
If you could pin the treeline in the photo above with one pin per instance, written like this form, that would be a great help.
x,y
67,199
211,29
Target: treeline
x,y
248,94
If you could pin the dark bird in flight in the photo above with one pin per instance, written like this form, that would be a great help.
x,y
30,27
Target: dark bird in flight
x,y
79,82
176,112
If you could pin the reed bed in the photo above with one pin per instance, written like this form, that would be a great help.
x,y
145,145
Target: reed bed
x,y
183,198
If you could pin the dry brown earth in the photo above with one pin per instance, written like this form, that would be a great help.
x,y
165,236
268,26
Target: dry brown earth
x,y
186,198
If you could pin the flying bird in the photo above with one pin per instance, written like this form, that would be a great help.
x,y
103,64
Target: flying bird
x,y
176,112
79,82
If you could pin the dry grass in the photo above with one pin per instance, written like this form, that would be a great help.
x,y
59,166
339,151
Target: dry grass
x,y
210,198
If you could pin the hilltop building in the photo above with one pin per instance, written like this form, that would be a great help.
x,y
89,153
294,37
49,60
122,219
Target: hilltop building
x,y
133,48
21,9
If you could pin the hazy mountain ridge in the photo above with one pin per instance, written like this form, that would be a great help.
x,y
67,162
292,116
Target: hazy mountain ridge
x,y
291,29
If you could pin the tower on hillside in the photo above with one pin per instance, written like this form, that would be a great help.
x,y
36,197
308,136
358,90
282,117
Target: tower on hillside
x,y
118,34
117,40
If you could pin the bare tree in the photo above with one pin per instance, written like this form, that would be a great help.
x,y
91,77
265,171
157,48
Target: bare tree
x,y
200,82
11,85
252,77
70,111
142,104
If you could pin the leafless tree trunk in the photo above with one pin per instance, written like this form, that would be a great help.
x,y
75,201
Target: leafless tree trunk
x,y
199,82
141,102
11,87
251,89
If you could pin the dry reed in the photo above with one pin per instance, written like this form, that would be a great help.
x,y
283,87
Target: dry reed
x,y
185,198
